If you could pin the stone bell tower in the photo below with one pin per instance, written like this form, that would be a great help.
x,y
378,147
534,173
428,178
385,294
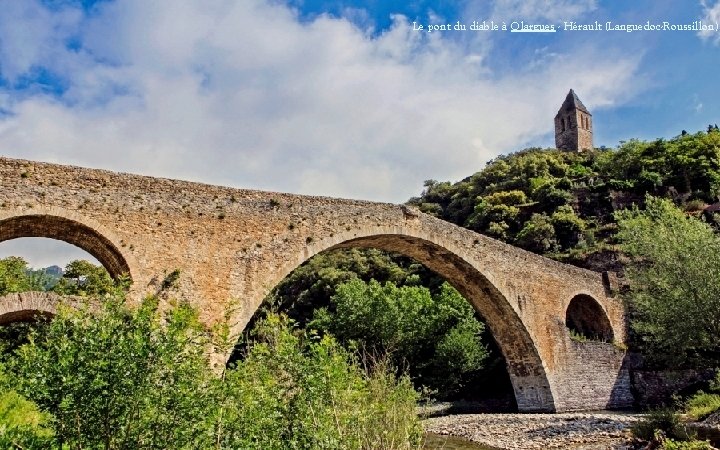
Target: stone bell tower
x,y
573,125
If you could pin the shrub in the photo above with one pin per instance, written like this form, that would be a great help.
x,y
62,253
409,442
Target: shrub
x,y
295,391
670,444
85,279
509,198
120,377
663,419
568,226
577,336
15,276
22,424
537,235
702,405
674,283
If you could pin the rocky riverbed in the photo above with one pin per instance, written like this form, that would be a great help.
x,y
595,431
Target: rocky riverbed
x,y
577,431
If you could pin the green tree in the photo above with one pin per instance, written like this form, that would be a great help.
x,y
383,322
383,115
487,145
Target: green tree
x,y
22,424
118,377
311,285
15,276
568,226
436,337
502,199
675,282
538,234
84,278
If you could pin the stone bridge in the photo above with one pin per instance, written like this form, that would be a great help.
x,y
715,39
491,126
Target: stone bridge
x,y
232,246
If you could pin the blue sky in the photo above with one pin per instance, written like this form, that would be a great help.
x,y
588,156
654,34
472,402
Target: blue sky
x,y
676,76
337,97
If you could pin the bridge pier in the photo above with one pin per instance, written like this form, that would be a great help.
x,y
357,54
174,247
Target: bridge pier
x,y
532,395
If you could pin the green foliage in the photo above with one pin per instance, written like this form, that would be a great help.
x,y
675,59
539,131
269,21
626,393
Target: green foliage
x,y
80,278
306,295
120,377
84,279
22,424
578,191
292,391
702,405
568,226
665,420
436,337
514,197
715,383
171,280
311,285
16,276
538,234
674,278
671,444
577,336
117,377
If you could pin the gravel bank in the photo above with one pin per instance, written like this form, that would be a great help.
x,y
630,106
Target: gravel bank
x,y
577,431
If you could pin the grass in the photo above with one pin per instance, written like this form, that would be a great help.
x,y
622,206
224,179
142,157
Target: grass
x,y
701,405
576,336
671,444
665,420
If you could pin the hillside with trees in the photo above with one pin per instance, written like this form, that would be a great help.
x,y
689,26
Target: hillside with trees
x,y
561,204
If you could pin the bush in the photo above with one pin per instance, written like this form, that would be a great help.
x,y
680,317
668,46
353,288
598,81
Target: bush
x,y
294,391
665,420
85,279
674,279
702,405
16,276
22,424
568,226
670,444
117,377
538,234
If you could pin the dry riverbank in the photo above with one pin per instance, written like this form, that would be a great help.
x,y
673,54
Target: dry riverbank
x,y
577,431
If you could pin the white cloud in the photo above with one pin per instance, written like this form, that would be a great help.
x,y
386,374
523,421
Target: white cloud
x,y
552,10
242,93
711,16
31,35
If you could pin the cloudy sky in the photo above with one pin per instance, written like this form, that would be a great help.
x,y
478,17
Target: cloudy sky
x,y
336,97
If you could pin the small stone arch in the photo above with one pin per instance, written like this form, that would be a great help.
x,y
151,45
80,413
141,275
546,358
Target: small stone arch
x,y
28,306
528,375
66,226
586,317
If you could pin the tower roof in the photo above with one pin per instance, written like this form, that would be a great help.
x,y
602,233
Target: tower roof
x,y
573,102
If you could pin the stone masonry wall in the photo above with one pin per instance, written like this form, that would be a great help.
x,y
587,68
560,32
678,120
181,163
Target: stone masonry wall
x,y
232,246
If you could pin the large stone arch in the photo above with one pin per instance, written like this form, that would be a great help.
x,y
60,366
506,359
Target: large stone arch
x,y
67,226
528,373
